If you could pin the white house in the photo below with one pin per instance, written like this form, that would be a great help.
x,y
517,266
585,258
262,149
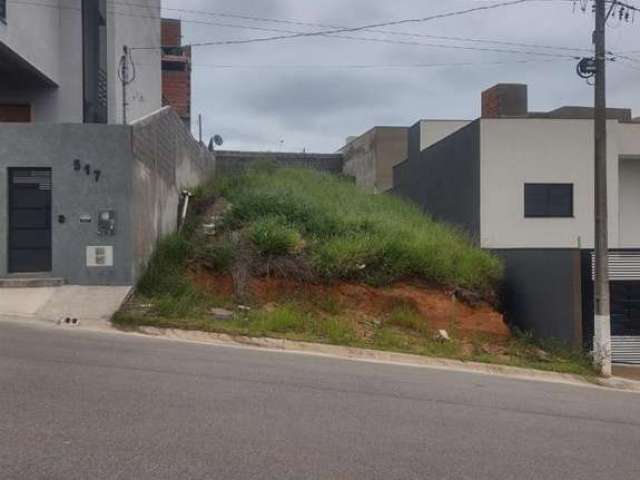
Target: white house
x,y
522,185
59,60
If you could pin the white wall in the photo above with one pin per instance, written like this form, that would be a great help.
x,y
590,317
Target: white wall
x,y
628,138
33,31
49,37
519,151
135,27
629,202
432,131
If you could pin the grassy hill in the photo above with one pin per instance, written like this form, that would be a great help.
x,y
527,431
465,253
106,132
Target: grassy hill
x,y
315,258
342,232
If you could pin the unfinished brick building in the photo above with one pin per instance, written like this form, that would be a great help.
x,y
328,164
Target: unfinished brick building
x,y
176,70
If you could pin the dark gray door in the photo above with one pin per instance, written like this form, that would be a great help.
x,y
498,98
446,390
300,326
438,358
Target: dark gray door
x,y
29,220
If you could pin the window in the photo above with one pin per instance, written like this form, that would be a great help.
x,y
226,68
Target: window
x,y
3,10
548,200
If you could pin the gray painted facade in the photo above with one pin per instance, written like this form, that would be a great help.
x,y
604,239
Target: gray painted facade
x,y
74,193
143,168
543,292
445,178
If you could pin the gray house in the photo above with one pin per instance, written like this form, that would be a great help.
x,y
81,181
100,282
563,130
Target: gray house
x,y
85,204
83,200
521,184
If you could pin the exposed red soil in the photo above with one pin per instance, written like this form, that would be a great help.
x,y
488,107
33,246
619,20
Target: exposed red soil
x,y
439,307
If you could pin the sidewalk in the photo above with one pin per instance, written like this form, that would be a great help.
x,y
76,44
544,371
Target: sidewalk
x,y
54,304
630,372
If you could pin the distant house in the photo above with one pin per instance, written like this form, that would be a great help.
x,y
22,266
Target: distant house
x,y
521,184
83,198
371,157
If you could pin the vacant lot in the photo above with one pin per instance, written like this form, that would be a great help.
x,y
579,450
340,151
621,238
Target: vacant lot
x,y
299,254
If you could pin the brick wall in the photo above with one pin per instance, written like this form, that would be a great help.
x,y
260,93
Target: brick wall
x,y
505,100
176,71
171,32
176,90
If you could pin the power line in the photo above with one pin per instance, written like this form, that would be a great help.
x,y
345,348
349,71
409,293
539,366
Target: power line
x,y
323,25
374,66
291,34
352,29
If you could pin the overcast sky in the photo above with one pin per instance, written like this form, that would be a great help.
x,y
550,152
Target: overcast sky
x,y
262,102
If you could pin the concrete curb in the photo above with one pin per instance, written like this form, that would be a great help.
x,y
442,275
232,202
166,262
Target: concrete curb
x,y
389,358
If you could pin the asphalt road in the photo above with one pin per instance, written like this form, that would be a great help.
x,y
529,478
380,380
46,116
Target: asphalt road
x,y
83,405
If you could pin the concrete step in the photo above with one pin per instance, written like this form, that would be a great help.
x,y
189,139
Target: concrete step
x,y
30,282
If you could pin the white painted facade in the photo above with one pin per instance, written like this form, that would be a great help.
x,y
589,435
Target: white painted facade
x,y
47,35
432,131
518,151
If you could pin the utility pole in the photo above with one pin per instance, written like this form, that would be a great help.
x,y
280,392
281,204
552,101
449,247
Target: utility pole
x,y
602,317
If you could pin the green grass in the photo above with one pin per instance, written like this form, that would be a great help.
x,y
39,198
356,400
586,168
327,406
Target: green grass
x,y
400,332
352,234
344,233
273,235
165,272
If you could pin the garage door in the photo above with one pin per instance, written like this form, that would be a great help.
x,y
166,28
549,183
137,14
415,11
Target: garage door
x,y
625,321
624,273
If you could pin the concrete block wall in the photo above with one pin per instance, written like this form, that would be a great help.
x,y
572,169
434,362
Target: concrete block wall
x,y
230,161
166,160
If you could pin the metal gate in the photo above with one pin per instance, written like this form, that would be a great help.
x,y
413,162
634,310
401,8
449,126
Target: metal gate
x,y
29,220
624,273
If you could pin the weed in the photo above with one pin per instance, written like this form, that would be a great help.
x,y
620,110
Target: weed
x,y
336,330
274,235
165,273
282,319
407,316
391,339
218,256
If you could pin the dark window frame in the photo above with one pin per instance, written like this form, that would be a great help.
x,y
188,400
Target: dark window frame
x,y
546,213
3,11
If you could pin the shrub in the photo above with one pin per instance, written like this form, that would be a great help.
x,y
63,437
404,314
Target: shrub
x,y
217,256
273,235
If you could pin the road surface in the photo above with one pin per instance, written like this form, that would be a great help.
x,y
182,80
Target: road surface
x,y
83,405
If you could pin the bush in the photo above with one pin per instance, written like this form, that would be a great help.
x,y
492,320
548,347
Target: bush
x,y
218,256
273,235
